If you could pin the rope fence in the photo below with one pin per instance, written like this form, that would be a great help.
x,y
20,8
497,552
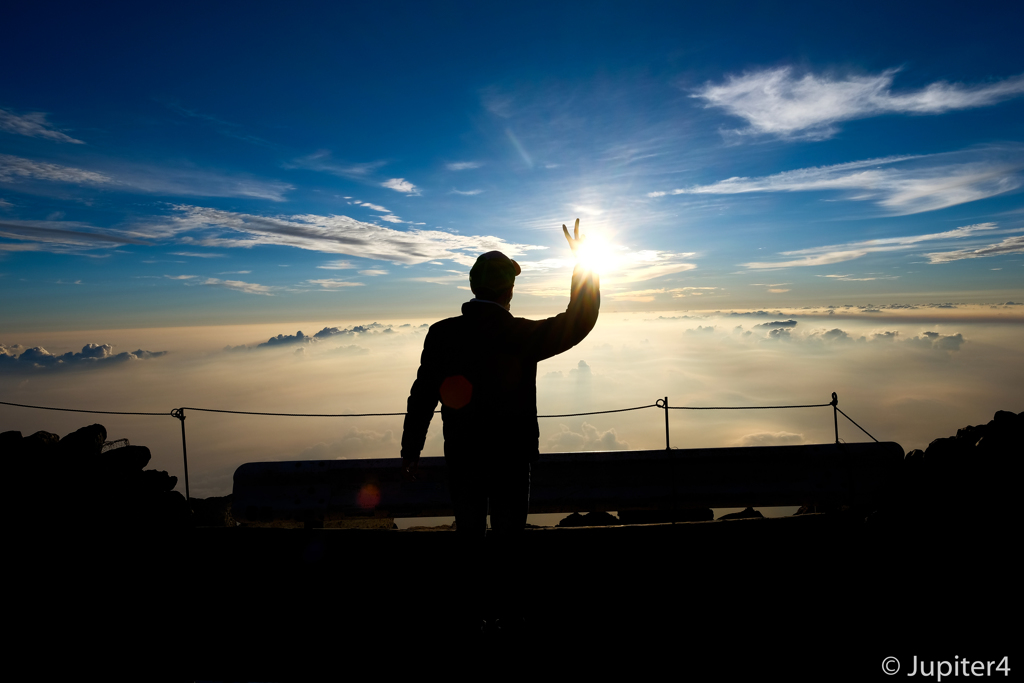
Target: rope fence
x,y
661,403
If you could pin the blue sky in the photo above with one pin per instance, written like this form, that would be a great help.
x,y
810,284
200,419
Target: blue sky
x,y
178,164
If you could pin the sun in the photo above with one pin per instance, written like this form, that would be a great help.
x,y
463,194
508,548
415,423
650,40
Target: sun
x,y
598,255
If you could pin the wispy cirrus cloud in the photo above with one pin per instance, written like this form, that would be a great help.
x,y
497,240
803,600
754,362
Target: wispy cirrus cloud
x,y
778,102
322,161
1010,245
143,178
14,168
339,264
328,234
851,278
462,165
239,286
62,236
838,253
33,125
373,207
546,277
648,295
901,185
227,128
332,283
468,193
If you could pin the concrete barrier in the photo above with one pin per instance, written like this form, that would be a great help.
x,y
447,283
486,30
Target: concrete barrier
x,y
315,492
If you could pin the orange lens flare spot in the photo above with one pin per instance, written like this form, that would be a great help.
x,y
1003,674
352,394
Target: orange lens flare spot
x,y
456,391
368,497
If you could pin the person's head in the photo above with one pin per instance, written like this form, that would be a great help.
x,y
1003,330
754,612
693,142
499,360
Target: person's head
x,y
493,276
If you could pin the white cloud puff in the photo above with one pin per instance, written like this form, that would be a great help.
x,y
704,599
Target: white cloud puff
x,y
589,438
777,102
400,185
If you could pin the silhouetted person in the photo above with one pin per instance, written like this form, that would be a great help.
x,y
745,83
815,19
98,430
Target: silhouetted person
x,y
482,367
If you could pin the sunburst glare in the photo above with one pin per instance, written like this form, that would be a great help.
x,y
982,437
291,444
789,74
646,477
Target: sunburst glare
x,y
598,254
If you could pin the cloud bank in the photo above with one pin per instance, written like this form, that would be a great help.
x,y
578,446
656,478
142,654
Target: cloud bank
x,y
37,358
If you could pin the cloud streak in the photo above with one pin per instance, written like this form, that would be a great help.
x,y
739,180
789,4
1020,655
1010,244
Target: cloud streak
x,y
838,253
1010,245
777,102
897,186
142,178
331,234
33,125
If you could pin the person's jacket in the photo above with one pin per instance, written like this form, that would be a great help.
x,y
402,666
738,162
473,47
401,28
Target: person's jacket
x,y
482,367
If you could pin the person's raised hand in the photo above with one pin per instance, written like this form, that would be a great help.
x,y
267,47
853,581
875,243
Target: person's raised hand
x,y
575,240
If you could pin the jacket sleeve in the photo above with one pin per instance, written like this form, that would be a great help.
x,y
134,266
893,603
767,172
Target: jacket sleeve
x,y
566,330
423,397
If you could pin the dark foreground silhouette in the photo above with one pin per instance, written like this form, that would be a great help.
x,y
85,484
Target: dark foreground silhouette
x,y
829,595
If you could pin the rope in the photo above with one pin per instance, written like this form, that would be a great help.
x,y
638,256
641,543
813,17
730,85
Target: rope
x,y
75,410
601,412
816,405
247,412
857,425
658,404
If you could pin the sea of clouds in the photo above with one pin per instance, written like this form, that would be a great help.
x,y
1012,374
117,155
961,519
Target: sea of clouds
x,y
905,376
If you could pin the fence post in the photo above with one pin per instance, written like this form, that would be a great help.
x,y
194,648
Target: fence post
x,y
835,413
663,404
180,414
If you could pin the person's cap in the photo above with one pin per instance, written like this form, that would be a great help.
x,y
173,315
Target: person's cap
x,y
494,271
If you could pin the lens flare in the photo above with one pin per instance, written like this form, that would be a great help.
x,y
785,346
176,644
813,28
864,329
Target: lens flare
x,y
598,255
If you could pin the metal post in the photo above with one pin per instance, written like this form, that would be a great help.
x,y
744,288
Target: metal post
x,y
666,407
180,414
835,414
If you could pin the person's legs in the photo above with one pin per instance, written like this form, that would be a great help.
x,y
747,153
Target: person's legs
x,y
466,484
509,489
509,492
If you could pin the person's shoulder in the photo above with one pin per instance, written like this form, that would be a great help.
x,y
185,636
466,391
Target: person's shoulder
x,y
446,326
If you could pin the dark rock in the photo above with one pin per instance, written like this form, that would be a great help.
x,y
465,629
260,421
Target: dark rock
x,y
1005,417
600,519
156,481
212,511
127,459
914,457
575,519
590,519
9,441
749,513
970,435
173,511
944,451
39,443
86,442
665,516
